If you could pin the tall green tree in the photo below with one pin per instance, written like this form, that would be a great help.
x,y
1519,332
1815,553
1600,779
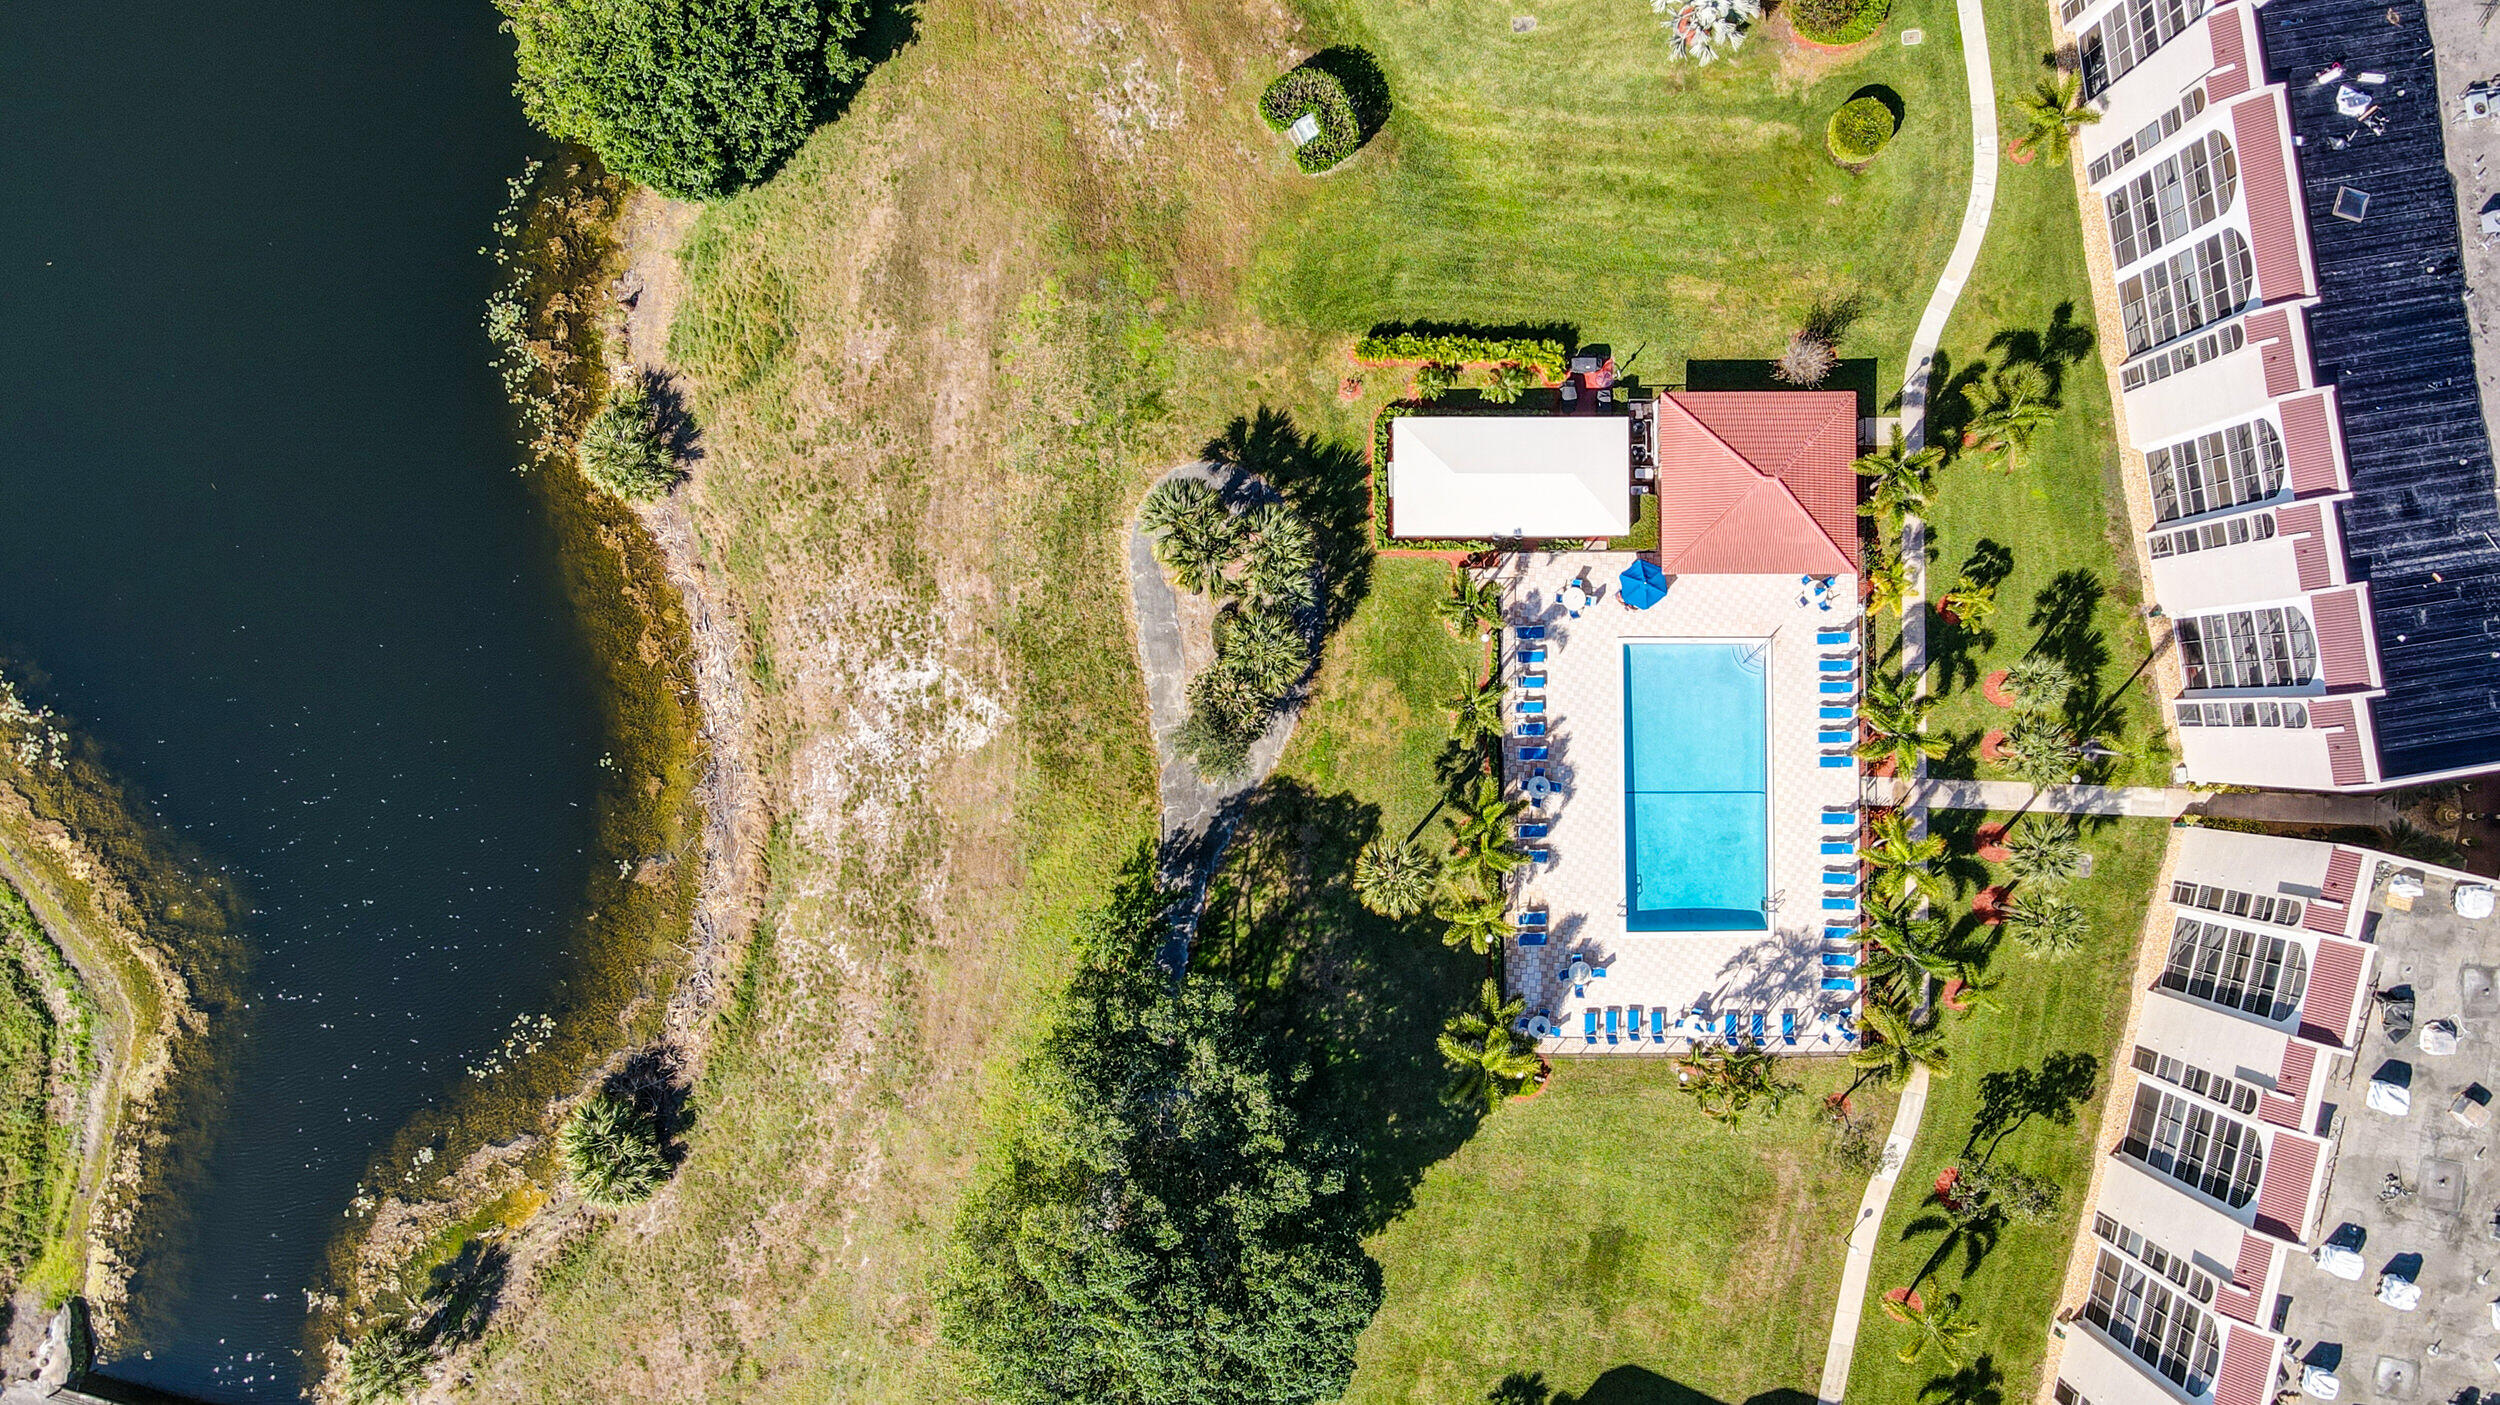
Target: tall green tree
x,y
1166,1227
1728,1083
611,1150
1488,1059
1476,713
1474,604
1508,382
1283,555
2043,851
1196,535
2040,683
1901,857
1898,479
1894,715
1482,843
2009,407
2049,924
1475,920
2039,749
2048,115
694,98
1394,879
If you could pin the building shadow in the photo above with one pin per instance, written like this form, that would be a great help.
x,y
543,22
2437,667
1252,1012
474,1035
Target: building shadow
x,y
1623,1385
1856,374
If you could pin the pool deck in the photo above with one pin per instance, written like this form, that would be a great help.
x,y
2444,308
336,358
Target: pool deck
x,y
1582,887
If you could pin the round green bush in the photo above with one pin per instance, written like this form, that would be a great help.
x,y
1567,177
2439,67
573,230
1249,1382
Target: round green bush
x,y
1837,22
1313,90
1859,130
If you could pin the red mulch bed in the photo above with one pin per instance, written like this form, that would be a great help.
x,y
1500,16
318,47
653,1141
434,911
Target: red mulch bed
x,y
1952,996
1992,746
1990,904
1907,1297
1994,687
1883,766
1991,841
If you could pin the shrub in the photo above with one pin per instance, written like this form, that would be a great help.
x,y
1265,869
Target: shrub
x,y
1700,29
1859,130
1456,349
623,450
1837,21
611,1151
1807,362
695,98
1315,92
1434,379
384,1364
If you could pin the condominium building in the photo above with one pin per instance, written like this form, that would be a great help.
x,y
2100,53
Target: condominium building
x,y
2308,469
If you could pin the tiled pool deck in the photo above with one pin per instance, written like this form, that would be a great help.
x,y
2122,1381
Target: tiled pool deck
x,y
1582,888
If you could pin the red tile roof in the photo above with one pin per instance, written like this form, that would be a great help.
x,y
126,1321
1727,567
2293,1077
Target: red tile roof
x,y
2284,1186
2264,146
2230,76
1757,482
2343,872
2334,989
2247,1374
2343,648
2333,716
2271,331
2308,444
2248,1279
2282,1106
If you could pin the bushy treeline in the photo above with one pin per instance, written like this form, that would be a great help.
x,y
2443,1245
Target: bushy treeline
x,y
1264,559
695,98
1162,1226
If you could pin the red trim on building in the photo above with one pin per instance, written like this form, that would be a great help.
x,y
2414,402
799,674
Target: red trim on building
x,y
2264,149
2299,1062
2284,1188
2334,988
2247,1374
2304,526
2230,76
2271,330
2343,872
2343,645
2248,1279
2308,438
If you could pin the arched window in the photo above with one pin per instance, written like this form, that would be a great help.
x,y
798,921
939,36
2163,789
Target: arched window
x,y
2262,974
2181,195
2192,287
2269,648
2145,1315
2218,469
2197,1145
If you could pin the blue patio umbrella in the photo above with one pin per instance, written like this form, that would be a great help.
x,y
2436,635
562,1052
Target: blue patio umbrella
x,y
1643,584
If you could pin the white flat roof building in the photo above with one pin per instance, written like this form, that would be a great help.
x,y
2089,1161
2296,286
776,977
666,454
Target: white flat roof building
x,y
1510,476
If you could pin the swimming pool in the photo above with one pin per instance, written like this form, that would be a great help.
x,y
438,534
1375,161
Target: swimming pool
x,y
1696,779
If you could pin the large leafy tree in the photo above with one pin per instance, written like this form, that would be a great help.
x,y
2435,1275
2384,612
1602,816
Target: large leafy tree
x,y
1941,1329
1898,479
1895,717
2009,406
2044,851
694,98
1164,1227
1488,1058
1481,839
611,1150
1284,552
1476,710
1474,604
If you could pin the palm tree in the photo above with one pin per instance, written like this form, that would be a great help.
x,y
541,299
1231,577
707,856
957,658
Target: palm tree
x,y
1969,601
1900,858
1899,1046
1478,710
1473,606
1895,717
1887,581
2008,406
1394,879
1478,923
2040,750
2040,683
1196,536
1897,479
1941,1328
1480,833
2048,924
611,1151
1509,381
2049,114
1902,949
2041,852
1490,1058
1725,1082
1283,555
1263,648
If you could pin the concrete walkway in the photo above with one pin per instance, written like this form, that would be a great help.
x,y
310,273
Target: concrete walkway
x,y
1866,1231
1198,815
1979,75
2290,807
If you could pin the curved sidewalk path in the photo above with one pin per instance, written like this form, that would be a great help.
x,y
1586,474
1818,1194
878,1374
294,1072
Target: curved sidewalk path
x,y
1980,77
1198,815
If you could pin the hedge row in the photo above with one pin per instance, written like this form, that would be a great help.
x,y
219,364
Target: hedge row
x,y
1544,355
1314,91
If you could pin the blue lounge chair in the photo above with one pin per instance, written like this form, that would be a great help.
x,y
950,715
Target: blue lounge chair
x,y
1533,753
1831,636
1788,1027
1839,983
1588,1021
1840,817
1532,656
1658,1023
1532,680
1839,846
1532,919
1597,973
1838,714
1840,934
1833,763
1533,831
1532,705
1532,729
1839,958
1533,936
1727,1027
1527,631
1840,738
1544,856
1840,878
1839,685
1614,1025
1831,904
1836,665
1757,1026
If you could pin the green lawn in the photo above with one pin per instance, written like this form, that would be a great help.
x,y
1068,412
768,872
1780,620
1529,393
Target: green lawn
x,y
2035,1071
2057,515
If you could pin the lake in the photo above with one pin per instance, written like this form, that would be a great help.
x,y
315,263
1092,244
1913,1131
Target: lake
x,y
258,525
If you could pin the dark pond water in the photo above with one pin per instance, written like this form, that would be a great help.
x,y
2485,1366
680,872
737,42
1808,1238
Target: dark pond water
x,y
258,524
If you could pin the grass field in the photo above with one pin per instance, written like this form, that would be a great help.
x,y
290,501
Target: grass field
x,y
2026,1089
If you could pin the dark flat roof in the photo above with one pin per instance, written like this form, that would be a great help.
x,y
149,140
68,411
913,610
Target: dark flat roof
x,y
2391,335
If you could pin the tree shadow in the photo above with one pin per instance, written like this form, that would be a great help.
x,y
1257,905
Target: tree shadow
x,y
2008,1100
1362,996
1988,564
1891,100
1623,1385
1948,408
2062,344
673,417
464,1292
1328,484
1831,318
1979,1383
1856,374
1365,85
654,1079
1976,1237
887,29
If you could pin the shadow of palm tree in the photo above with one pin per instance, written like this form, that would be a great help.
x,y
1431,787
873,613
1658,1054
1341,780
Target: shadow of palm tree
x,y
2063,343
1979,1383
2008,1100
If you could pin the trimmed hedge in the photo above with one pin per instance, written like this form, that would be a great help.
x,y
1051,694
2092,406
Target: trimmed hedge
x,y
1309,90
1546,356
1859,130
1837,21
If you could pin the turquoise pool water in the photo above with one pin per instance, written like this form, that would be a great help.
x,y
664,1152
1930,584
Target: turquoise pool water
x,y
1696,804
